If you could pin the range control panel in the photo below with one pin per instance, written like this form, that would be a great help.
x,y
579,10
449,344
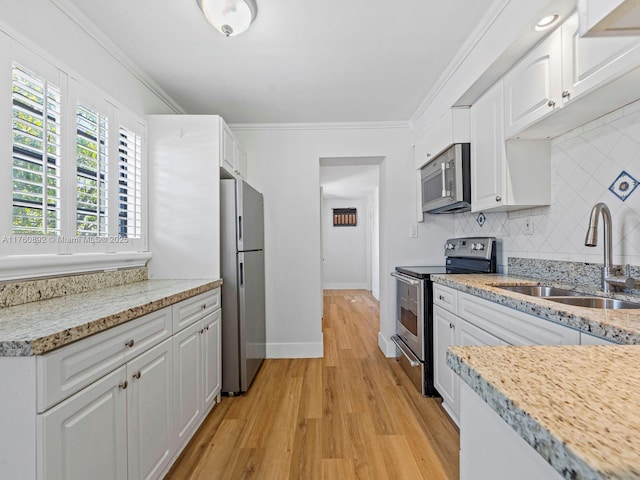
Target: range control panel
x,y
470,247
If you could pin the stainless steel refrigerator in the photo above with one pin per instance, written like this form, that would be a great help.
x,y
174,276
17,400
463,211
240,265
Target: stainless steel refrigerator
x,y
243,295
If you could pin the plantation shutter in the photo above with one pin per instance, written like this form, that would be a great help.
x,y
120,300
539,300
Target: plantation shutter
x,y
129,184
36,141
91,171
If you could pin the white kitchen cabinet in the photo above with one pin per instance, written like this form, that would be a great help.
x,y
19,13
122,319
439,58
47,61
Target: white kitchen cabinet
x,y
505,175
445,380
228,152
445,297
609,17
590,62
452,127
586,339
211,364
241,161
86,435
468,335
491,450
533,87
150,412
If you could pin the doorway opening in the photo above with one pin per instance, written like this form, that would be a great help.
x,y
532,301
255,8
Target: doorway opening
x,y
350,224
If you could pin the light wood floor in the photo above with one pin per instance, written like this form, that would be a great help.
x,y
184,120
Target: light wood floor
x,y
350,415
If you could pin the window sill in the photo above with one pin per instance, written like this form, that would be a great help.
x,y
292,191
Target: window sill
x,y
19,267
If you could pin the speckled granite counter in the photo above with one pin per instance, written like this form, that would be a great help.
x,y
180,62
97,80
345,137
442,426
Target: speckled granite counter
x,y
38,327
622,326
577,406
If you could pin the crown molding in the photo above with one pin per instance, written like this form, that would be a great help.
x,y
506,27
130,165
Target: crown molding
x,y
92,30
467,47
320,126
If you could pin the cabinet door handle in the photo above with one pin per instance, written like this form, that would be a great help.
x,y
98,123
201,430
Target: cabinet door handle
x,y
451,325
201,331
203,306
551,103
123,385
137,375
498,198
130,343
566,94
207,327
440,297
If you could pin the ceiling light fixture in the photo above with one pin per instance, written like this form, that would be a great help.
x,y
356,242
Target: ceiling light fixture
x,y
547,22
229,17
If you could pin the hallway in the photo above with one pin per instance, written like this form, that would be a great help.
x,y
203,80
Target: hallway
x,y
352,414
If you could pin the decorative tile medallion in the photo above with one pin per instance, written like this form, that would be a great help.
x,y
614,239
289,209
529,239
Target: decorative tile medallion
x,y
623,186
481,219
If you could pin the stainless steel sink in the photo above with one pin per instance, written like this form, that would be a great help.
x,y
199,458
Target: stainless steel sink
x,y
540,291
595,302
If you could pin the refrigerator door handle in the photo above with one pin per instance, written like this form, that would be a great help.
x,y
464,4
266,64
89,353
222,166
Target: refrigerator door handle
x,y
240,227
241,274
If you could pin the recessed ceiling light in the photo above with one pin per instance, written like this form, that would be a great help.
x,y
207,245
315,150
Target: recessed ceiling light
x,y
547,22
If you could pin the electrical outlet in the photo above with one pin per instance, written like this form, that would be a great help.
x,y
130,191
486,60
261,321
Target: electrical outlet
x,y
528,226
413,231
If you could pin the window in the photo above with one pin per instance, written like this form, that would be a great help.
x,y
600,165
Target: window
x,y
36,141
92,191
129,184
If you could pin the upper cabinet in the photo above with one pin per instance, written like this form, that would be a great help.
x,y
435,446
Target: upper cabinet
x,y
452,127
506,175
609,17
233,159
568,80
533,87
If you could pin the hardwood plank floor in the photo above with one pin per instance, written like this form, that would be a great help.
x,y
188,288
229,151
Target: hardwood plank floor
x,y
351,415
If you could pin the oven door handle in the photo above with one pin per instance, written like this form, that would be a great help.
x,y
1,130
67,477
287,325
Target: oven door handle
x,y
413,360
405,278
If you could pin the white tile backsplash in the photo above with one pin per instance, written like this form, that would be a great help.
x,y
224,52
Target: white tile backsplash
x,y
584,163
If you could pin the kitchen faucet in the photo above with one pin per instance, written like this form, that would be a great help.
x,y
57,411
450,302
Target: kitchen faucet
x,y
610,275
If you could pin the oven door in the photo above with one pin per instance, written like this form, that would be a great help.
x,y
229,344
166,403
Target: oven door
x,y
410,312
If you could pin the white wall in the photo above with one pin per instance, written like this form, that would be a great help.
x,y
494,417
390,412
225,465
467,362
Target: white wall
x,y
283,163
45,28
584,163
373,202
345,249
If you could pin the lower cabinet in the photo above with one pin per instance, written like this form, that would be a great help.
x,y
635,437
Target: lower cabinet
x,y
134,421
481,322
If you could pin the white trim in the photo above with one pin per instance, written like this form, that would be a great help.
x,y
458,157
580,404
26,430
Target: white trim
x,y
472,40
387,346
345,286
90,28
17,267
376,294
319,126
294,350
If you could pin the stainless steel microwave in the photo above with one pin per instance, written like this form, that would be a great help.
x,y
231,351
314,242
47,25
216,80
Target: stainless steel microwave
x,y
446,181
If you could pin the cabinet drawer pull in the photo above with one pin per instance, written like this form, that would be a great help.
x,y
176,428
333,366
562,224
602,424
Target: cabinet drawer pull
x,y
203,306
566,94
451,325
551,103
130,343
498,198
124,385
440,297
137,375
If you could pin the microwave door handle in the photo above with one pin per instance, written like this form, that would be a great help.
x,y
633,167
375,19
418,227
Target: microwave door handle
x,y
445,192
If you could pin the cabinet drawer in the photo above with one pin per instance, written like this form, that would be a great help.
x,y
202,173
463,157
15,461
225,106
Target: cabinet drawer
x,y
512,326
69,369
194,308
445,297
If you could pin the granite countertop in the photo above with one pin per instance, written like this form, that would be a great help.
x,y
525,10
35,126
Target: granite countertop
x,y
577,406
38,327
621,326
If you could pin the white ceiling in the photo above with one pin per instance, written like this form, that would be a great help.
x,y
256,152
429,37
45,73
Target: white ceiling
x,y
301,61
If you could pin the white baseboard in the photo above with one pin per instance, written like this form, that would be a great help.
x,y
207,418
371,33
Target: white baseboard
x,y
345,286
387,346
376,294
294,350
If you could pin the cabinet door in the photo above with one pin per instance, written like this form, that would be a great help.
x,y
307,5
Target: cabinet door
x,y
445,379
228,149
86,435
241,161
589,62
211,360
150,412
488,154
187,367
533,87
